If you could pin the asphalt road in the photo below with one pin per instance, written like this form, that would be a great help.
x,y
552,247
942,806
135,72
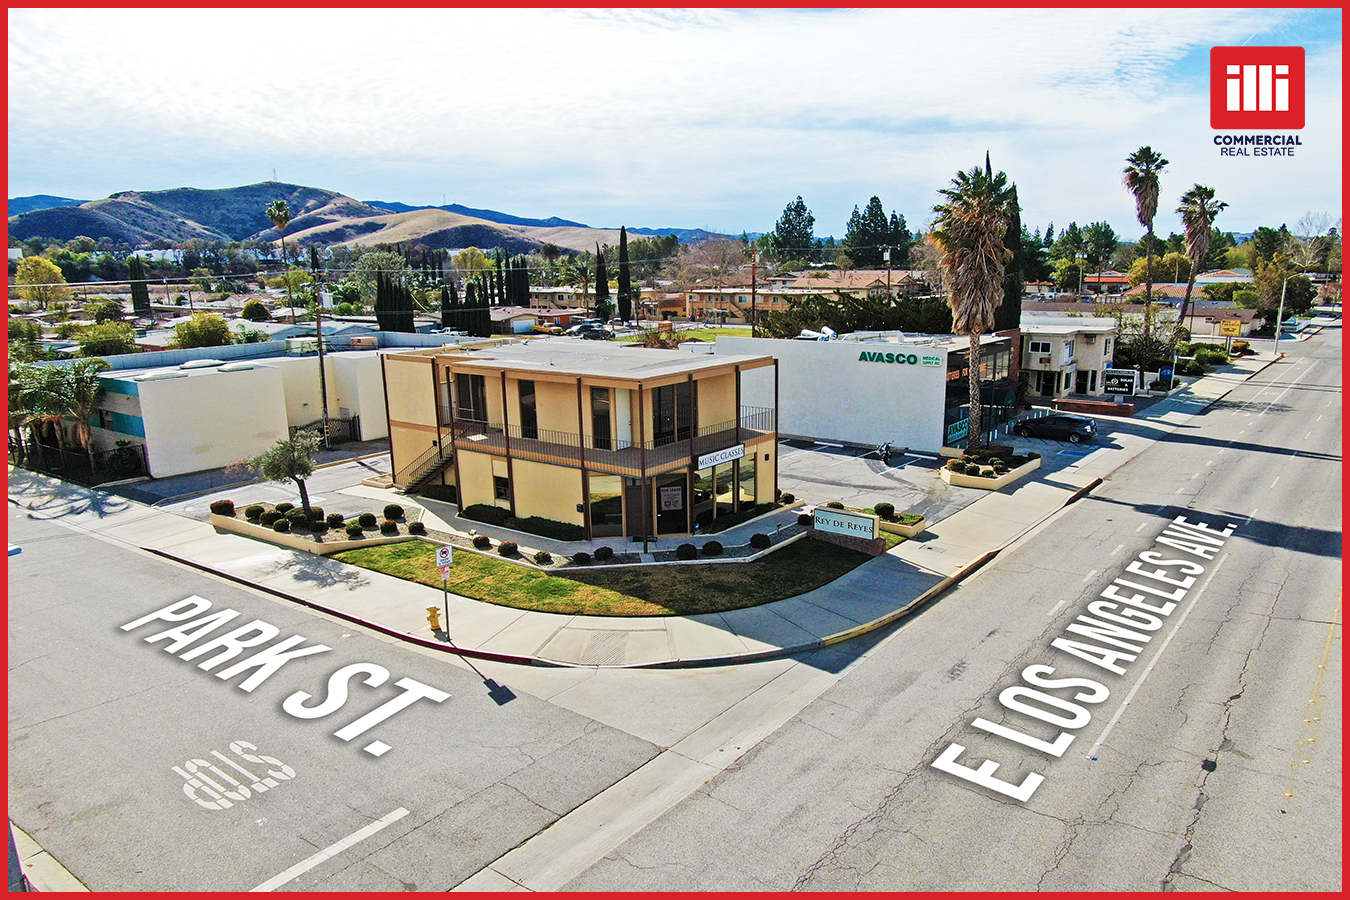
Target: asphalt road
x,y
1211,763
814,773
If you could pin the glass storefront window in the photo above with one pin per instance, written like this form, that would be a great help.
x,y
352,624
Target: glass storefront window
x,y
725,481
606,502
746,498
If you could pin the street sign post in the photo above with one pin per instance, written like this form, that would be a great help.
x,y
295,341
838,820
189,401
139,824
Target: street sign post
x,y
444,558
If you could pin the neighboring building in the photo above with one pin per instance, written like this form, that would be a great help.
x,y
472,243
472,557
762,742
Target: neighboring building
x,y
1067,354
869,388
207,413
619,440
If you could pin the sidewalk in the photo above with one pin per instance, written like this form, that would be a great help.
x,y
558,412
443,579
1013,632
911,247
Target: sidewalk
x,y
871,596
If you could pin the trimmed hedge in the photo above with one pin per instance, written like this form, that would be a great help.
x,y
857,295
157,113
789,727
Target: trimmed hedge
x,y
507,548
581,559
222,507
760,541
316,513
549,528
885,510
269,518
686,551
253,511
393,511
834,504
604,554
366,520
417,528
804,518
712,548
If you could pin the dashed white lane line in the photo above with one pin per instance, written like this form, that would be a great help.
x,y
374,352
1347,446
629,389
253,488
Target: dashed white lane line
x,y
329,852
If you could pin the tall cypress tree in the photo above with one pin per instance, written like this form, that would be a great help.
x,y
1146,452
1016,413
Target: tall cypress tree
x,y
601,285
140,294
625,279
447,311
1009,312
501,277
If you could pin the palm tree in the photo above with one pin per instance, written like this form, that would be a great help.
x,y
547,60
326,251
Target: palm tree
x,y
280,214
1198,209
81,391
969,230
1141,178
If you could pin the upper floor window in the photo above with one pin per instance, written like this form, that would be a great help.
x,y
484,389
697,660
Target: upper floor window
x,y
1039,346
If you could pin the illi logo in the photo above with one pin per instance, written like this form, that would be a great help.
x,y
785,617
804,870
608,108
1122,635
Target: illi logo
x,y
1256,87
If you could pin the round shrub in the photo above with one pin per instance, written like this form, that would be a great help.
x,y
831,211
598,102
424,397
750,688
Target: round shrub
x,y
253,511
282,526
885,510
269,518
760,541
319,528
543,557
834,504
355,532
296,516
335,520
581,559
788,497
393,511
604,554
712,548
804,518
507,548
284,508
366,520
686,551
222,507
388,526
316,513
417,528
482,541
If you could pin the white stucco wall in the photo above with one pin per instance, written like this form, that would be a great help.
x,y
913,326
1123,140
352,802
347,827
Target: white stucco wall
x,y
360,386
211,418
827,392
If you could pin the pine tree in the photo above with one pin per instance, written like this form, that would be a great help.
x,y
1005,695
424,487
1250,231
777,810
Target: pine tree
x,y
625,280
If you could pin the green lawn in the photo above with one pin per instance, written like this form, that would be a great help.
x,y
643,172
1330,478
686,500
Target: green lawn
x,y
676,590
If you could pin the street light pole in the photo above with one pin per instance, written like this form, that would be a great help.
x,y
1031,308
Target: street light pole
x,y
1279,317
318,331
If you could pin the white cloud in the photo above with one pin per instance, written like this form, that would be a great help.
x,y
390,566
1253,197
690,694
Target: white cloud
x,y
657,117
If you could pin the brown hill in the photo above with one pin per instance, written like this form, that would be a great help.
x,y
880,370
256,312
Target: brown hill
x,y
318,216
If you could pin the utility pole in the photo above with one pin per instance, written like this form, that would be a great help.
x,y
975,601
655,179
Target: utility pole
x,y
888,273
754,263
318,331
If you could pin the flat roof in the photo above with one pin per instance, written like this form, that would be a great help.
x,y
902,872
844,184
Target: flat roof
x,y
576,356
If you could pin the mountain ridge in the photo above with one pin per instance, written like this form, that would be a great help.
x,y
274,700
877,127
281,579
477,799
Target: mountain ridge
x,y
319,216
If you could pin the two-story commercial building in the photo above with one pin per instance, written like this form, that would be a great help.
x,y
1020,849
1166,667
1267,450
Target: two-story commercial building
x,y
619,440
1067,354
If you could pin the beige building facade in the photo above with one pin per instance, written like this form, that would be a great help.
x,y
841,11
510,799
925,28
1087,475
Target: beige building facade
x,y
618,440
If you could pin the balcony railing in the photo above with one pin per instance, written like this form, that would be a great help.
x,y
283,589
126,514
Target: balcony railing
x,y
618,456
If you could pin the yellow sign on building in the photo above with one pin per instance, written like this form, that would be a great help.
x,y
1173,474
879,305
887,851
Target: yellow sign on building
x,y
1230,327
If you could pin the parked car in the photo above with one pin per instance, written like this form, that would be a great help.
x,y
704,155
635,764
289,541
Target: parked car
x,y
1061,426
597,334
583,327
546,329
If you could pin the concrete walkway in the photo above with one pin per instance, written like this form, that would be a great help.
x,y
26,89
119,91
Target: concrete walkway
x,y
872,595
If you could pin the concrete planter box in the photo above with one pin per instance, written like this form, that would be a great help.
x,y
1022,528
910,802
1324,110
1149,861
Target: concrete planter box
x,y
295,541
989,484
908,531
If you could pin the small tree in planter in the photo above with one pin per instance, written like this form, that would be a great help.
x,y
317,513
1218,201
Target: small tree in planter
x,y
289,459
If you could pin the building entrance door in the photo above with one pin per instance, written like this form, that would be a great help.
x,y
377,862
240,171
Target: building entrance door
x,y
633,505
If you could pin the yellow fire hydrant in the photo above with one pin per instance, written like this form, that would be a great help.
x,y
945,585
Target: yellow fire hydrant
x,y
434,617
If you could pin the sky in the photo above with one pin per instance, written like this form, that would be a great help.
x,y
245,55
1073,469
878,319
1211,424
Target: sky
x,y
656,118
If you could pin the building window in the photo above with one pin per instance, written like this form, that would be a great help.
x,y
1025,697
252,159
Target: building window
x,y
1039,346
501,488
472,391
671,410
600,427
606,502
1068,352
529,417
